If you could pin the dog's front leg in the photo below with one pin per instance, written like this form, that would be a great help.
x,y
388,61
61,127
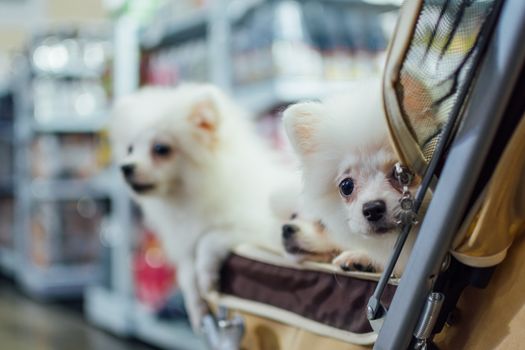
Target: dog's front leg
x,y
212,249
195,305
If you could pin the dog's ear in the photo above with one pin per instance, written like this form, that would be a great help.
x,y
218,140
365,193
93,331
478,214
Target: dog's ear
x,y
301,122
205,119
205,115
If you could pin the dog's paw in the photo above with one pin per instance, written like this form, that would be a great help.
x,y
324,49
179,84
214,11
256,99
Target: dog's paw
x,y
355,261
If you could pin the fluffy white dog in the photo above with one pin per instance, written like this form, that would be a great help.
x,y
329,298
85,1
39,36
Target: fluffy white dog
x,y
348,171
306,239
201,176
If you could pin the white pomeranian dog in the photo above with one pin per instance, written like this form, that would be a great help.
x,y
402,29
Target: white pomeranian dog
x,y
349,178
201,176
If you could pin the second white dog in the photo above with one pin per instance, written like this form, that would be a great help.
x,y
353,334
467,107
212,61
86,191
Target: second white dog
x,y
201,176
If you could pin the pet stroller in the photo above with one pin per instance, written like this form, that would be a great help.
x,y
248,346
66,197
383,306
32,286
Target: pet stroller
x,y
453,87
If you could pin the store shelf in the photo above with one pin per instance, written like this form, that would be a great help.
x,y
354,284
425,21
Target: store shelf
x,y
5,89
65,124
108,310
128,317
261,97
7,261
101,186
58,281
68,75
6,187
169,335
167,32
6,130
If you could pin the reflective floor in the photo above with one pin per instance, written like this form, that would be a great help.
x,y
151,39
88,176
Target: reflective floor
x,y
26,324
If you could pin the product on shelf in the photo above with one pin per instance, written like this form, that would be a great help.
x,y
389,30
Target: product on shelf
x,y
170,65
6,139
313,40
6,162
66,232
154,277
70,73
62,195
6,221
179,14
70,53
66,156
67,101
6,109
180,48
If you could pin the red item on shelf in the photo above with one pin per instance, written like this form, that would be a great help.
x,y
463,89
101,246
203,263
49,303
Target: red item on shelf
x,y
154,277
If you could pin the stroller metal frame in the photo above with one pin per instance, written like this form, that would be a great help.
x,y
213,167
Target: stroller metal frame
x,y
490,93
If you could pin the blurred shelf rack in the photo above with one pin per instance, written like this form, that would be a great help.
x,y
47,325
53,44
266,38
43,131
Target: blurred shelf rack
x,y
6,130
6,187
72,74
63,200
259,96
235,35
58,281
98,187
62,124
7,144
112,304
130,318
7,260
166,32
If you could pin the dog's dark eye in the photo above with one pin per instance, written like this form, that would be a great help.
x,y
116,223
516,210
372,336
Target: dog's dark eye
x,y
293,216
130,149
346,187
162,150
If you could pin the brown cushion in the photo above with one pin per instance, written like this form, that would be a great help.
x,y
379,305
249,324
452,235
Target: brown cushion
x,y
333,299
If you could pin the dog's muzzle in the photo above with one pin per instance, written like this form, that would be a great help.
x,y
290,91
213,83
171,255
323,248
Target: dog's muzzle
x,y
128,171
374,211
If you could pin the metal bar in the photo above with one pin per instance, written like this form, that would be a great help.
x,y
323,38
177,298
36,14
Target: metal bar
x,y
126,80
504,57
219,45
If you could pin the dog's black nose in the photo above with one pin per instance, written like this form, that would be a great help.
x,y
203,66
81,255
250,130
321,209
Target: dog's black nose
x,y
374,210
289,231
127,170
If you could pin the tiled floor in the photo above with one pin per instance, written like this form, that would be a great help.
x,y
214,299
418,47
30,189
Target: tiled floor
x,y
26,324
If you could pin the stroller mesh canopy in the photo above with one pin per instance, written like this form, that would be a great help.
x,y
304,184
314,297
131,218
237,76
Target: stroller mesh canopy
x,y
432,64
432,80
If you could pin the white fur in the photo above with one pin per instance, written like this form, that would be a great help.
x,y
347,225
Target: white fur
x,y
340,137
310,240
212,192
